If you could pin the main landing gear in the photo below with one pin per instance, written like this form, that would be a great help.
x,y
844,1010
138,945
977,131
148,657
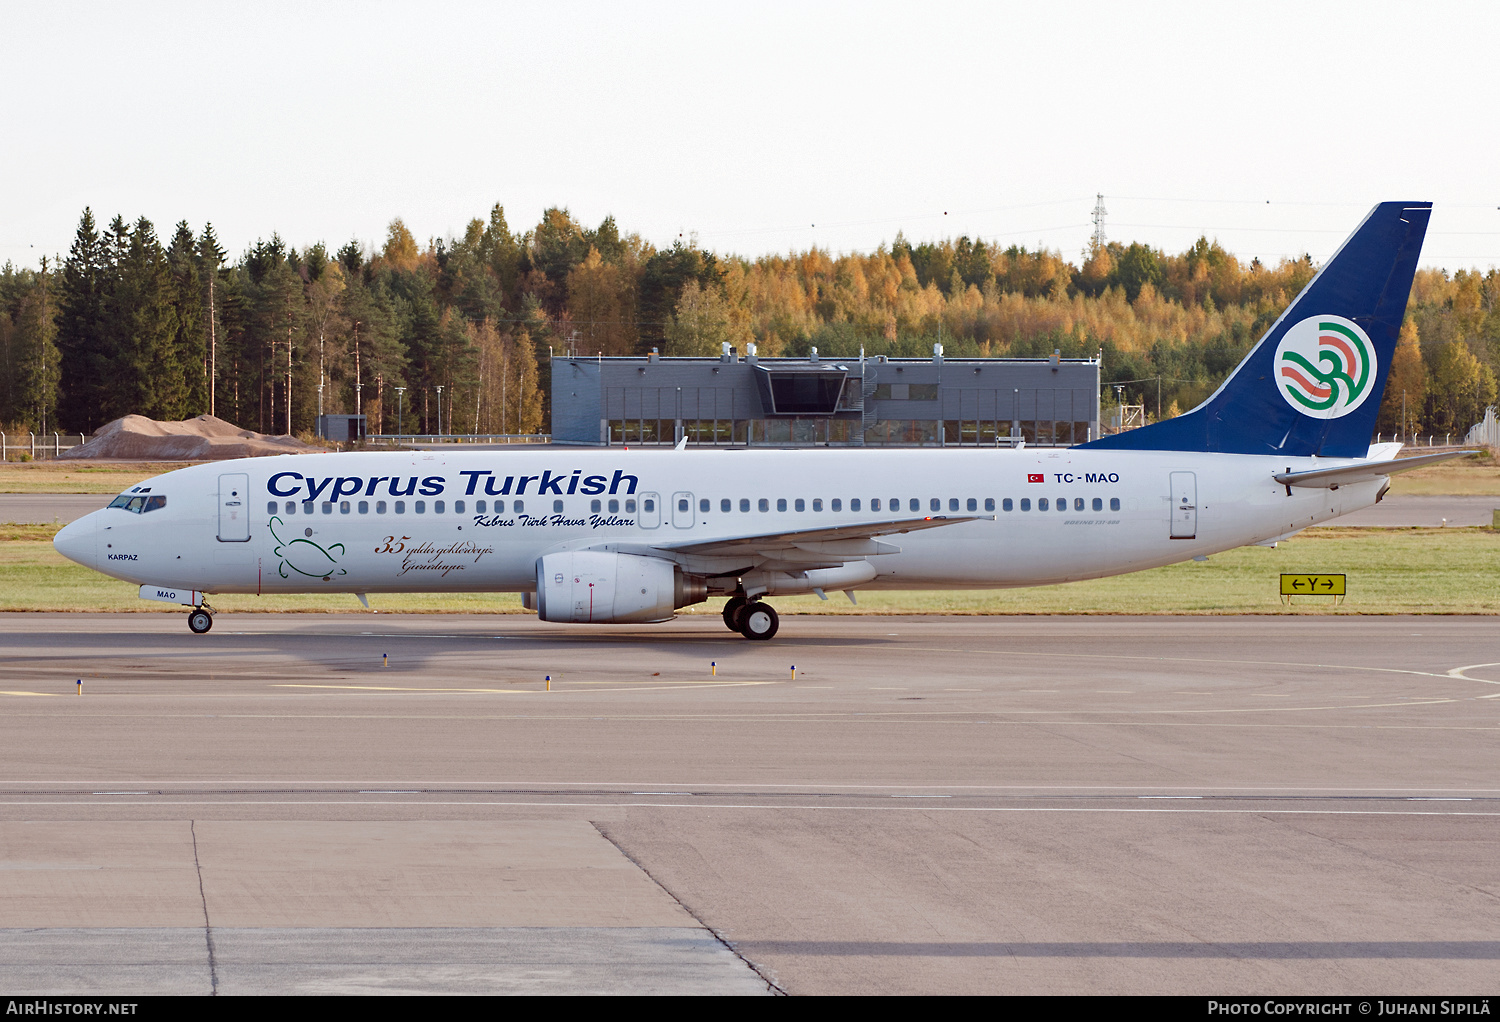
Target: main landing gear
x,y
200,619
751,618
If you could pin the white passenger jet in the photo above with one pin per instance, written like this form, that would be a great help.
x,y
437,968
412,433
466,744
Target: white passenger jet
x,y
629,536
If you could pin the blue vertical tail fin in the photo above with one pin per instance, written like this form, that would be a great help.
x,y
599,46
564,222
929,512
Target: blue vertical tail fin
x,y
1312,385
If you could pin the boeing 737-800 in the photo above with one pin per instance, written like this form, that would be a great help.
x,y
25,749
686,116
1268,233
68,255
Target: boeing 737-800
x,y
624,536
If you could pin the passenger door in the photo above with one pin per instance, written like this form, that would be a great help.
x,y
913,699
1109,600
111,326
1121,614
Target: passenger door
x,y
650,516
234,508
682,510
1184,505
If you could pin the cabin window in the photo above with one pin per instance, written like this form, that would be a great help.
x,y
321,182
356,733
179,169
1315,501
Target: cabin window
x,y
1026,504
874,503
763,504
725,505
420,507
517,507
270,507
854,505
629,507
916,505
1006,504
1098,504
291,507
781,503
614,507
1114,503
364,507
744,503
380,507
1062,503
648,505
1042,504
1077,503
835,504
328,507
989,503
401,507
458,507
343,507
437,507
557,507
595,506
972,505
935,504
479,506
307,507
953,503
817,503
800,506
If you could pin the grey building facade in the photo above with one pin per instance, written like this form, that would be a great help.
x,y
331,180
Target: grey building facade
x,y
743,400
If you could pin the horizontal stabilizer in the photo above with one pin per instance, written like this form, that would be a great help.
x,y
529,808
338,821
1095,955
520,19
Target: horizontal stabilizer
x,y
1363,472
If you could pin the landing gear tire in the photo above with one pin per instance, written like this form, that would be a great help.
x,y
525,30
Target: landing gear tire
x,y
200,621
734,609
759,621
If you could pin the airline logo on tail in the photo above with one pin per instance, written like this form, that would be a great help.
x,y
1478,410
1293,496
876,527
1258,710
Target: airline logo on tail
x,y
1325,367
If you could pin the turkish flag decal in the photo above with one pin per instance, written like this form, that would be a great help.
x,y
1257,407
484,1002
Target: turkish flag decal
x,y
1035,477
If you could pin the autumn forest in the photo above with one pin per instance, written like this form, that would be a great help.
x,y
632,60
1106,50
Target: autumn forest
x,y
171,326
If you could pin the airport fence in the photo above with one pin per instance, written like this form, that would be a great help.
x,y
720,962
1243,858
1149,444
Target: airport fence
x,y
453,439
37,446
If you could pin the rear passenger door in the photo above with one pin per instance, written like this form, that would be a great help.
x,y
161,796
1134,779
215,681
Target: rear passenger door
x,y
1184,505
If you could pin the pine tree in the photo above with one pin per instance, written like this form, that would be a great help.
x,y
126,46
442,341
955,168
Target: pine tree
x,y
82,340
146,377
191,342
210,260
36,354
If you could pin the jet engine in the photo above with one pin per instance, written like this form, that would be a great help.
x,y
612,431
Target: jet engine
x,y
598,587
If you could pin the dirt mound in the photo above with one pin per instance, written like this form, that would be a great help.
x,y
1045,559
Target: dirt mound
x,y
205,438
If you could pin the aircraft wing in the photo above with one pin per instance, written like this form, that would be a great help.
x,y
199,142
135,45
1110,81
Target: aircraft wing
x,y
847,541
1363,472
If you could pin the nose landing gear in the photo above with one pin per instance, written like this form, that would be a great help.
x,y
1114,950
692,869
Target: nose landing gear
x,y
200,619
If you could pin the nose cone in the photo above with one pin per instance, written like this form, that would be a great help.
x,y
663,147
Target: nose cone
x,y
77,541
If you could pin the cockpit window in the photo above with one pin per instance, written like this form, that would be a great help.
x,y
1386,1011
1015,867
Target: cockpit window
x,y
138,503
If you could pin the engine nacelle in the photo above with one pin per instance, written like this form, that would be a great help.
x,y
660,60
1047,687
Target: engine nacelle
x,y
597,587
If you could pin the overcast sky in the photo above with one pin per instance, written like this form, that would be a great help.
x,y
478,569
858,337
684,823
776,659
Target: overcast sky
x,y
1272,127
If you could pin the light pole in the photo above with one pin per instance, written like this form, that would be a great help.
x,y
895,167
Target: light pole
x,y
400,407
440,409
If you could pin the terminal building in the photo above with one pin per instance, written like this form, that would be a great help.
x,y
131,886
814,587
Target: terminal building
x,y
743,400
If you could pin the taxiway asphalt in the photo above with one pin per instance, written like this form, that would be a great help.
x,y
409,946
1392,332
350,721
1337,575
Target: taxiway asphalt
x,y
933,805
